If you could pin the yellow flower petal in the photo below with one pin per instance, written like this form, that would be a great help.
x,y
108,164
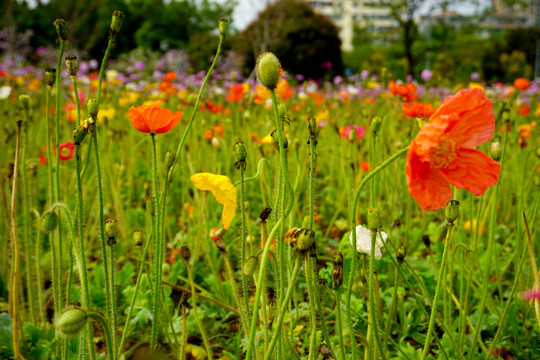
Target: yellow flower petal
x,y
222,189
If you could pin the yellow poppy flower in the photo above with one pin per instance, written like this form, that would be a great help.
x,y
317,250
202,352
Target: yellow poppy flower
x,y
222,189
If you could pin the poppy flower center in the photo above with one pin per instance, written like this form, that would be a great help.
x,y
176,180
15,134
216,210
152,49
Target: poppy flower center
x,y
444,154
64,152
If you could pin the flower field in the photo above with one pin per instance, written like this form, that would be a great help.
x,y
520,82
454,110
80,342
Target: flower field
x,y
207,216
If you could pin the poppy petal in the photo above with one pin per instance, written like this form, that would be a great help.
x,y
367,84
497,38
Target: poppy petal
x,y
174,119
426,185
138,120
473,171
476,120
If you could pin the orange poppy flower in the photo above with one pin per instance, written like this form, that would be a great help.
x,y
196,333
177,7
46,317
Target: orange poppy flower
x,y
418,109
442,153
522,83
153,119
170,76
406,92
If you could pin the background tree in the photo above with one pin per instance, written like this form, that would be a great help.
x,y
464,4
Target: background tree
x,y
305,42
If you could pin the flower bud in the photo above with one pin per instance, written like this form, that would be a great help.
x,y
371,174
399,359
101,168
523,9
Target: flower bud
x,y
223,24
373,219
451,211
426,240
312,127
170,157
185,253
337,277
116,22
352,134
111,230
71,322
92,107
250,266
401,252
496,150
50,76
72,65
325,351
138,238
537,152
268,67
337,258
376,124
265,213
151,205
282,110
61,28
305,239
32,169
49,221
275,140
240,151
24,101
220,244
79,133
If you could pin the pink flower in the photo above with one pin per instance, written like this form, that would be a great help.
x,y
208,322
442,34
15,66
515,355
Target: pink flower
x,y
344,131
533,294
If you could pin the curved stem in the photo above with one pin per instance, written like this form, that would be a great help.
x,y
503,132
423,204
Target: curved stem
x,y
194,306
98,316
283,309
372,304
437,291
339,325
243,247
157,249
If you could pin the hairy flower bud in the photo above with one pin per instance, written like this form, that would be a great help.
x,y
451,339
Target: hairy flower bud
x,y
337,277
221,246
376,124
24,101
426,240
373,219
451,211
170,157
268,67
138,238
92,107
79,133
337,258
305,238
117,20
50,76
71,322
240,151
325,351
265,213
111,230
312,127
223,24
250,266
49,221
401,252
275,140
185,252
61,28
72,65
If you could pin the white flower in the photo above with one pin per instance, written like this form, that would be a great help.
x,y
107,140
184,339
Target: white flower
x,y
5,91
363,241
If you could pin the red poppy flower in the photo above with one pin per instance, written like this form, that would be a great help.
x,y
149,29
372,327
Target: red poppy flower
x,y
407,92
153,119
418,109
67,151
170,76
522,83
442,153
43,160
364,166
236,93
523,110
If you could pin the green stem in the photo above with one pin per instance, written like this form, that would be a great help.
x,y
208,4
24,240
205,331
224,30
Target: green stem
x,y
235,292
37,255
339,325
264,258
183,339
352,219
283,309
243,246
199,322
437,291
110,349
112,287
320,308
491,240
15,242
157,249
134,296
82,256
372,304
312,311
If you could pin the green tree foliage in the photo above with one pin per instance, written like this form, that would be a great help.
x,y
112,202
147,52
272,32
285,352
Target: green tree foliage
x,y
304,41
152,24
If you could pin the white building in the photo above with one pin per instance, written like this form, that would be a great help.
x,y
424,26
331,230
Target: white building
x,y
346,14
